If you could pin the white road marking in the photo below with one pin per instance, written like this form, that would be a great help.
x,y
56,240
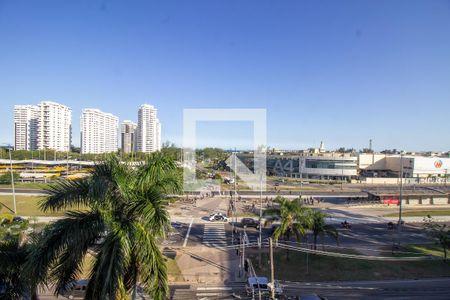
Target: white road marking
x,y
214,234
187,233
207,294
212,288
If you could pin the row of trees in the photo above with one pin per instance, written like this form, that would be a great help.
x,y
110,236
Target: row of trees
x,y
5,178
120,215
296,219
169,149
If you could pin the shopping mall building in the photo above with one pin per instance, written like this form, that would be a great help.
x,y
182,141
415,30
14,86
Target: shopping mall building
x,y
325,167
370,168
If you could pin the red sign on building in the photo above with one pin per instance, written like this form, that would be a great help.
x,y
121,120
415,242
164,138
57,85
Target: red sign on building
x,y
390,200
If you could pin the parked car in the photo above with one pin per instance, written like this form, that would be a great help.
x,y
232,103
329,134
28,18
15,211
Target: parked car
x,y
249,222
218,217
18,219
256,284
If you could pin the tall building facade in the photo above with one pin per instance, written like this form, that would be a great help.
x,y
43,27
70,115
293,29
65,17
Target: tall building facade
x,y
54,126
45,126
148,130
98,131
128,136
25,127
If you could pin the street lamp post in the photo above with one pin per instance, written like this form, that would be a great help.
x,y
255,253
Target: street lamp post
x,y
12,181
399,227
260,208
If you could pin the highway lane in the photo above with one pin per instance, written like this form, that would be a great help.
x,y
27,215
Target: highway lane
x,y
361,235
437,288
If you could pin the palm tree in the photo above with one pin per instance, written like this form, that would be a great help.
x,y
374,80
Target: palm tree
x,y
14,283
121,216
294,218
319,227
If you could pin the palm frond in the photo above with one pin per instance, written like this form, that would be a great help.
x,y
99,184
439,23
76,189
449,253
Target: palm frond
x,y
151,210
111,263
66,194
159,171
153,269
74,233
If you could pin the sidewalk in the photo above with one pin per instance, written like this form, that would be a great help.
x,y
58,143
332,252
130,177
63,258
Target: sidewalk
x,y
204,265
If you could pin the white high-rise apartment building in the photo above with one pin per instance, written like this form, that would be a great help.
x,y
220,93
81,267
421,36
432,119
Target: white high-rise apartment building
x,y
128,136
99,131
54,126
25,127
149,129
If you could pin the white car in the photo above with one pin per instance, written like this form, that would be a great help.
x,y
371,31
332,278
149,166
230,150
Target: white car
x,y
218,217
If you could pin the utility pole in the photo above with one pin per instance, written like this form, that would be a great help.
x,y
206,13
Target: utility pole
x,y
67,164
307,262
32,166
399,227
243,254
342,172
232,195
272,272
260,210
241,262
235,189
12,181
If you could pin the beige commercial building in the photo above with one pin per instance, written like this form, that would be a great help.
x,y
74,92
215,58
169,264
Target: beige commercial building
x,y
420,168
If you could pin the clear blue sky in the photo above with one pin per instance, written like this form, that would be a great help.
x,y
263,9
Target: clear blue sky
x,y
338,71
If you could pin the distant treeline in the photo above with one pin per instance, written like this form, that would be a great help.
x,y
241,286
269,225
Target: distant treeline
x,y
210,154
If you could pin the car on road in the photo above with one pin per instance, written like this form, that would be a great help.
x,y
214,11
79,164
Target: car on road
x,y
254,285
177,225
249,222
218,217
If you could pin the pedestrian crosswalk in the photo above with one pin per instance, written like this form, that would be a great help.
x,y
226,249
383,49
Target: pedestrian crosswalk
x,y
214,235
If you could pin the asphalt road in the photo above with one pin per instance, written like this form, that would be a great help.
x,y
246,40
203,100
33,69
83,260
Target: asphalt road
x,y
433,289
388,289
369,235
423,289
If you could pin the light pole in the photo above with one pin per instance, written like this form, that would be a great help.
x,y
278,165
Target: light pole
x,y
235,190
12,181
260,208
399,227
342,172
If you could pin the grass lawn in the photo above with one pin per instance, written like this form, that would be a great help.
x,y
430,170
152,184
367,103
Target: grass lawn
x,y
422,249
26,206
421,213
324,268
27,185
173,271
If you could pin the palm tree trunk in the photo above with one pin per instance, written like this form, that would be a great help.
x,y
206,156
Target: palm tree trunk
x,y
133,296
315,241
287,238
